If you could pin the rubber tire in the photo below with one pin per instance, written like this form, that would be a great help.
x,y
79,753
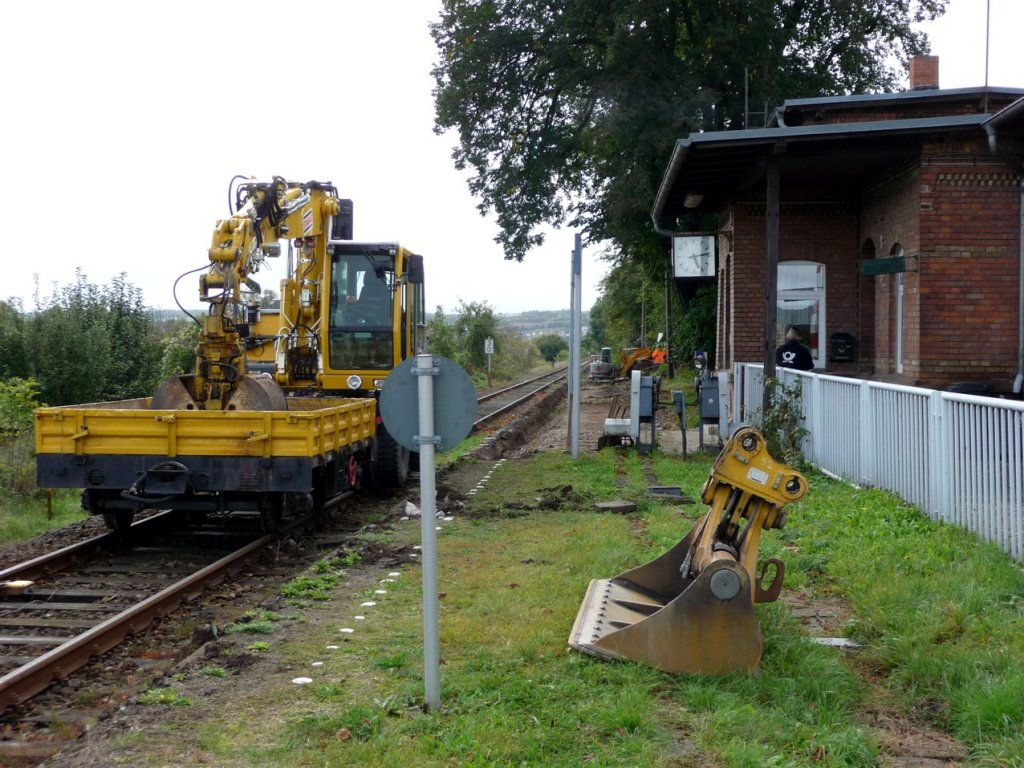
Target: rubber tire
x,y
391,462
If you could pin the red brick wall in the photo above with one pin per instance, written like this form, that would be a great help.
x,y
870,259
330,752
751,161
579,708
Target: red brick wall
x,y
890,219
970,252
959,213
819,232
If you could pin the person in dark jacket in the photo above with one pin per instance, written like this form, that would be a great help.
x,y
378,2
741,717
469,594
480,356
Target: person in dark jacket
x,y
793,354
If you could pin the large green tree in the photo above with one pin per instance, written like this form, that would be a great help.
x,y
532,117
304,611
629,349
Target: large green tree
x,y
93,343
566,111
14,357
550,346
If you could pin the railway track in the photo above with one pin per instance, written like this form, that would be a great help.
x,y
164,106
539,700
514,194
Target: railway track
x,y
63,609
492,405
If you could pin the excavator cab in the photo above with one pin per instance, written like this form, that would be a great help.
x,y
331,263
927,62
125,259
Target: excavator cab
x,y
691,610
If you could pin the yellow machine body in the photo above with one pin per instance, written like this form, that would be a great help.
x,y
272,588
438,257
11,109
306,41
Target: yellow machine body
x,y
280,415
691,610
348,312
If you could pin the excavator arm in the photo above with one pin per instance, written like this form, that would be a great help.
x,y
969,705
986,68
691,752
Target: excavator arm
x,y
266,213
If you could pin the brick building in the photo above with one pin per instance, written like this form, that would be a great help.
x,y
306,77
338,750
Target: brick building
x,y
895,221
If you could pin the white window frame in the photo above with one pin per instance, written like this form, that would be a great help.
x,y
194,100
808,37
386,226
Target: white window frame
x,y
806,294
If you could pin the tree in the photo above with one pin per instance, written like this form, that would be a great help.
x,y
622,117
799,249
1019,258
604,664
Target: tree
x,y
178,349
461,338
13,354
93,343
695,330
550,345
18,400
567,112
597,330
268,299
134,365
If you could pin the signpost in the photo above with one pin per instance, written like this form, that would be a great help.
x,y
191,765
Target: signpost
x,y
425,418
488,350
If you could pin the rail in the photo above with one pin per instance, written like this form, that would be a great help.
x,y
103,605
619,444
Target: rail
x,y
957,457
503,400
69,654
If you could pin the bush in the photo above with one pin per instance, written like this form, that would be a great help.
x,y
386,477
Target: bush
x,y
18,400
782,425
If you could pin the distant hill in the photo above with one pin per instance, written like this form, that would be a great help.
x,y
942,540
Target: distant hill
x,y
541,322
527,324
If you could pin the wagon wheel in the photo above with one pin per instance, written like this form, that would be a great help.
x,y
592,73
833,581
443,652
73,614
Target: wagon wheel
x,y
271,512
119,520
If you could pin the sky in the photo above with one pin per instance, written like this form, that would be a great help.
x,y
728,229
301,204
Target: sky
x,y
124,123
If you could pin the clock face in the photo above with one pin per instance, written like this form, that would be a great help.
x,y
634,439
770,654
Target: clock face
x,y
693,255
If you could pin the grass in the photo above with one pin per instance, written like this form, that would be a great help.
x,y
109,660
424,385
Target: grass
x,y
25,517
940,615
166,697
254,622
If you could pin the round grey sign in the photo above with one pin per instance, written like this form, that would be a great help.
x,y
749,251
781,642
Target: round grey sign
x,y
454,403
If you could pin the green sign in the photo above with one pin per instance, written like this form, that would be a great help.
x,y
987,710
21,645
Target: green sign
x,y
889,266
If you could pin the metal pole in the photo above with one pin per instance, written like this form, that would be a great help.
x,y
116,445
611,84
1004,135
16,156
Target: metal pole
x,y
771,273
574,353
988,29
428,533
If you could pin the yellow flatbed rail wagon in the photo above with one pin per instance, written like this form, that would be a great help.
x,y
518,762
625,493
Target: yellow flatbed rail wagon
x,y
127,456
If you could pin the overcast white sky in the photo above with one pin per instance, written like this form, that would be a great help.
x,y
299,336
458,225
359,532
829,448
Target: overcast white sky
x,y
124,122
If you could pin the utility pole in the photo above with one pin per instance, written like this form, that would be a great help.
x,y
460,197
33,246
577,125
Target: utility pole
x,y
574,347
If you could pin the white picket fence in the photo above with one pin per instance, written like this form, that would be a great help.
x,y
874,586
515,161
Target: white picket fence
x,y
959,458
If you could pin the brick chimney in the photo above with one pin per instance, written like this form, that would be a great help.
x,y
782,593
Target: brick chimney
x,y
924,73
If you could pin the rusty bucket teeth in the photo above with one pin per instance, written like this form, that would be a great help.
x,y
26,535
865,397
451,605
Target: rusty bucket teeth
x,y
709,628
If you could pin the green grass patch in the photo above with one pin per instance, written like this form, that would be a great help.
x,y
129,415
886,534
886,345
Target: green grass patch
x,y
24,517
254,622
165,697
940,616
318,587
941,613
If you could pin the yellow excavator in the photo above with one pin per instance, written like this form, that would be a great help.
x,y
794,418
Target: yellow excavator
x,y
280,415
691,610
349,311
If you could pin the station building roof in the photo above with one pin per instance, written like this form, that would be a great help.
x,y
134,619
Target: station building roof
x,y
707,170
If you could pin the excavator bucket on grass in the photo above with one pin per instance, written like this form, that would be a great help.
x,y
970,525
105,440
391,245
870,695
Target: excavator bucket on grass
x,y
692,609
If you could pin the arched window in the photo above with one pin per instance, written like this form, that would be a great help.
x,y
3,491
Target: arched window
x,y
801,302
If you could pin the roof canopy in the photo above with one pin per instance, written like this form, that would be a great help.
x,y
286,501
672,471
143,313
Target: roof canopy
x,y
709,169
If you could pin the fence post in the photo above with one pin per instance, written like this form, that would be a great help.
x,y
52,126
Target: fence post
x,y
867,436
939,466
816,419
739,382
